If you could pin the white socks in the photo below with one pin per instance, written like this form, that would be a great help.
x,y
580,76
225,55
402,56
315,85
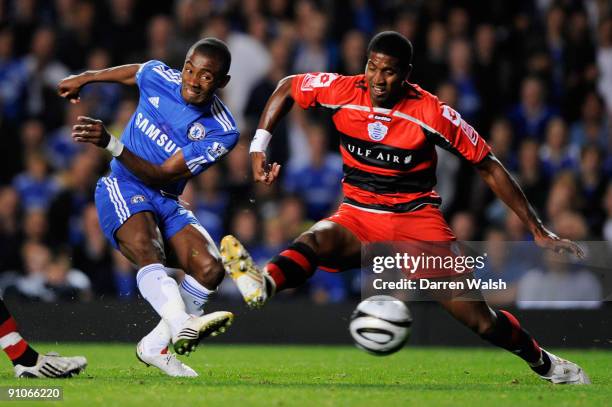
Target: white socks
x,y
163,294
194,294
173,303
158,339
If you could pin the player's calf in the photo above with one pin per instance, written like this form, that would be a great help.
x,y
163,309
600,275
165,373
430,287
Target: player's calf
x,y
208,272
202,278
507,333
293,266
195,295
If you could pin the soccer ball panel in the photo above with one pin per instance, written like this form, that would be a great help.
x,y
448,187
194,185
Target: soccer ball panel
x,y
385,307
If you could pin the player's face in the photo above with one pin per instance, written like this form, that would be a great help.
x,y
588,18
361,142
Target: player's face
x,y
385,77
201,77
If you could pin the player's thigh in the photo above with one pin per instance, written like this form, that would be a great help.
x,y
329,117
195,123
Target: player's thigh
x,y
140,240
195,250
426,224
335,245
126,216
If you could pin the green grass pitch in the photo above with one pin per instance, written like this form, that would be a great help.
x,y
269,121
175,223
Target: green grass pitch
x,y
240,375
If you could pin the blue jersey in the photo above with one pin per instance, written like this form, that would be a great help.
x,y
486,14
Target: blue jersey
x,y
164,124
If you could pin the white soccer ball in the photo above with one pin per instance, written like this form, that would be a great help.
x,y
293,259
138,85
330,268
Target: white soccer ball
x,y
380,325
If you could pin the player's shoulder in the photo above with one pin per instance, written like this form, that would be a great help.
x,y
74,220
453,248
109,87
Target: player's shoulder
x,y
415,94
222,115
158,72
217,120
319,80
423,104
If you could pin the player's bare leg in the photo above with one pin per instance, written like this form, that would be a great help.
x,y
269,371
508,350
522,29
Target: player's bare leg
x,y
502,329
140,240
326,243
198,256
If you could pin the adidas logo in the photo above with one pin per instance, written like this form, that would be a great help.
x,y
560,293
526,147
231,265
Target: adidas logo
x,y
154,101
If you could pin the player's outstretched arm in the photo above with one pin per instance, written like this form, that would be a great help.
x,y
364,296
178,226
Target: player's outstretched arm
x,y
70,87
508,190
88,130
278,105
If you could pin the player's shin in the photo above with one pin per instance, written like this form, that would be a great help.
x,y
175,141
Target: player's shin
x,y
292,267
507,333
163,294
195,295
15,347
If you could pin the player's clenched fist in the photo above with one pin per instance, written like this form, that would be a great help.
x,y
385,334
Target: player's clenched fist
x,y
88,130
70,87
262,171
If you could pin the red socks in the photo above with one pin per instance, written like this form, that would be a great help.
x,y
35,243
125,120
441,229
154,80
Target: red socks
x,y
15,347
509,334
292,267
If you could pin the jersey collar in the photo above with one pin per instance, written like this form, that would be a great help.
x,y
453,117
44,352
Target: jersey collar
x,y
382,110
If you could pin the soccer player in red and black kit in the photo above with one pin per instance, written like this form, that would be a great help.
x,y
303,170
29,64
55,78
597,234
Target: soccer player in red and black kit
x,y
390,128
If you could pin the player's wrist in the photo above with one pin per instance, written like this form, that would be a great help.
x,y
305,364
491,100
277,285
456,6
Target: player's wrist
x,y
539,231
260,141
114,146
84,78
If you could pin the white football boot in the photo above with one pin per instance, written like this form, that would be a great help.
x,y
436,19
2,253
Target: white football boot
x,y
198,328
250,280
54,366
166,362
564,372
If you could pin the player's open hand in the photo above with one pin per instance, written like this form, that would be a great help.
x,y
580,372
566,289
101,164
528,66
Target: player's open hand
x,y
548,240
262,171
88,130
70,87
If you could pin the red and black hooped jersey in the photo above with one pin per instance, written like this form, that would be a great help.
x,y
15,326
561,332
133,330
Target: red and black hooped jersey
x,y
389,155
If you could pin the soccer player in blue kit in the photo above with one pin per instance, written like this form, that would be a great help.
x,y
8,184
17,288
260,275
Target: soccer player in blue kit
x,y
180,128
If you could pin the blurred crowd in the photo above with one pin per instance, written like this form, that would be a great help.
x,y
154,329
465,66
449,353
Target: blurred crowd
x,y
534,77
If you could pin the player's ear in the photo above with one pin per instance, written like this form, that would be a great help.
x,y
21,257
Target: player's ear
x,y
224,81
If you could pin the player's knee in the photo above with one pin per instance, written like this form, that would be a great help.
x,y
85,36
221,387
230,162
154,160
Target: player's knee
x,y
317,240
308,238
209,272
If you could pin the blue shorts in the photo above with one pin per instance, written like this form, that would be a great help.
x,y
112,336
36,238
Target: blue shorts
x,y
119,198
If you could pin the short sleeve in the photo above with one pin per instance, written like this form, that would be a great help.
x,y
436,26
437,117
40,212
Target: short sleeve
x,y
311,89
454,134
199,155
153,71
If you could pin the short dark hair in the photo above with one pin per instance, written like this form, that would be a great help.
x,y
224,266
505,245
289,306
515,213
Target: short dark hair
x,y
216,48
393,44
